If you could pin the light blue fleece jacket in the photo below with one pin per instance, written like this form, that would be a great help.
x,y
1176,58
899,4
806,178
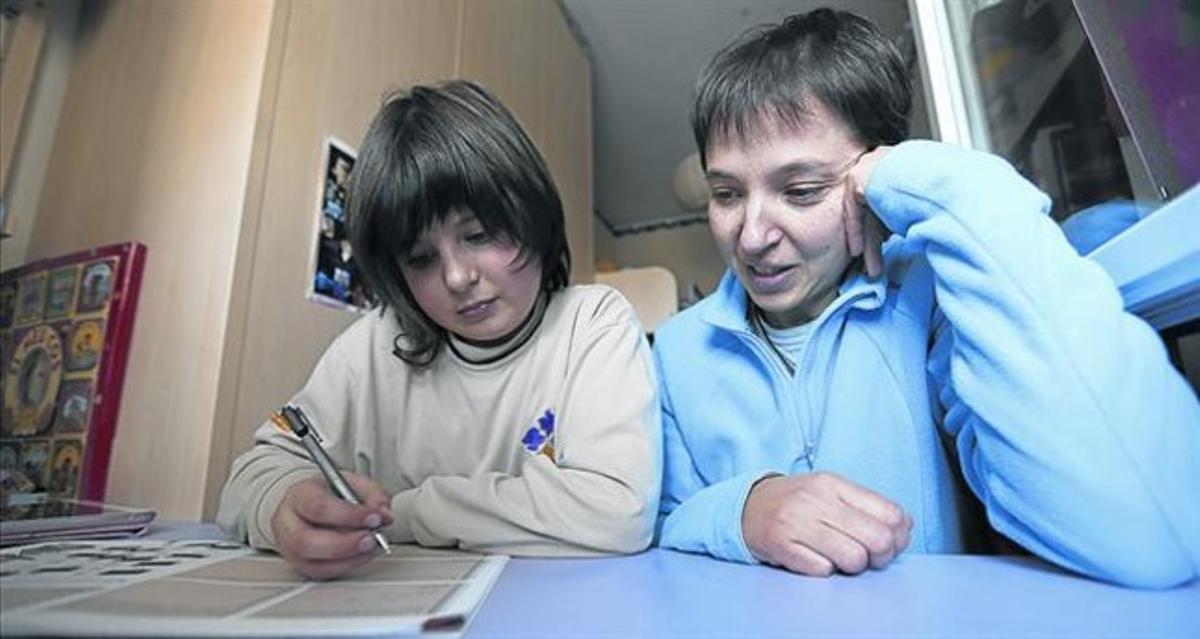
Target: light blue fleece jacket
x,y
990,345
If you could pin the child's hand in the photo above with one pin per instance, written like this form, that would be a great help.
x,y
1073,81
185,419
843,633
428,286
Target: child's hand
x,y
323,536
819,523
864,232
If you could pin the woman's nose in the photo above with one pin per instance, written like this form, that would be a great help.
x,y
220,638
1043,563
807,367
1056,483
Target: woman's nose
x,y
759,232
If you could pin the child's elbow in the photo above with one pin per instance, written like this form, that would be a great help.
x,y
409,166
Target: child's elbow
x,y
626,529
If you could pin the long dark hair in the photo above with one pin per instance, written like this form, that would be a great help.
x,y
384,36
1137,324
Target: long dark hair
x,y
836,57
432,151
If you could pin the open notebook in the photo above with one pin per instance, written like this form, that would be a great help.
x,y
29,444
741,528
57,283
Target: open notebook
x,y
216,588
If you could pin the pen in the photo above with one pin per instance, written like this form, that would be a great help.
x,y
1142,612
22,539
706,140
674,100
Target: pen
x,y
293,419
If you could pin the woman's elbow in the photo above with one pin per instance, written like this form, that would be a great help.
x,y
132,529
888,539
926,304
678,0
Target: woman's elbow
x,y
1145,566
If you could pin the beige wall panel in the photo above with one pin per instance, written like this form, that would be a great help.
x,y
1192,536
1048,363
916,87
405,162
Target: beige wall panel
x,y
18,70
501,49
687,251
604,244
31,159
153,145
337,61
567,137
523,51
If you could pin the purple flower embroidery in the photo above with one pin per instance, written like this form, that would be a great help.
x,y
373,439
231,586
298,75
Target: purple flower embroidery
x,y
533,439
540,437
546,421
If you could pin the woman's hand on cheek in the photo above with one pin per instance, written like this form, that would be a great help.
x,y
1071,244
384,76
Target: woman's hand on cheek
x,y
864,232
323,536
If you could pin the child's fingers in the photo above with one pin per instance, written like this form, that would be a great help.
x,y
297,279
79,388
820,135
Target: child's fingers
x,y
324,570
313,501
318,551
373,495
311,543
322,553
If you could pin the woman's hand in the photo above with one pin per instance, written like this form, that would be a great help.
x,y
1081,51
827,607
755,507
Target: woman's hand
x,y
323,536
864,232
818,523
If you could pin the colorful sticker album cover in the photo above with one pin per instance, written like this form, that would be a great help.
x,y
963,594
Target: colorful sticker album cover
x,y
65,328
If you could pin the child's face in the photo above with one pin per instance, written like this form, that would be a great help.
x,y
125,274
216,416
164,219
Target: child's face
x,y
776,212
469,283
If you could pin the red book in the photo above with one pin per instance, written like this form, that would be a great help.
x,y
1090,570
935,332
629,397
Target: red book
x,y
65,327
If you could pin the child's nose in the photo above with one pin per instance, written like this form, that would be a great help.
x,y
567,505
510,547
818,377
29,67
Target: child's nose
x,y
459,274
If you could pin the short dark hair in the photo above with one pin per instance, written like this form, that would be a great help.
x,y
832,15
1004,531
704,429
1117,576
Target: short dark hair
x,y
432,151
772,71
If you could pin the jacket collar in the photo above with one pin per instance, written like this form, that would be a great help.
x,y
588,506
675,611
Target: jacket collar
x,y
729,306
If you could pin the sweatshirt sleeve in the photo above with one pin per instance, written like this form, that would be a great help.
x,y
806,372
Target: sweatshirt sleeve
x,y
1071,425
262,475
597,496
694,516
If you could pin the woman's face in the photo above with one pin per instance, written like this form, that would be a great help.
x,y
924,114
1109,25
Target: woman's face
x,y
776,212
470,283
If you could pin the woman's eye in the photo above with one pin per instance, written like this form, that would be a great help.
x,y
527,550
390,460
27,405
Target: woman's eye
x,y
806,193
722,195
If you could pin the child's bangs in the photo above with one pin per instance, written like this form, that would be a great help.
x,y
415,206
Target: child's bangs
x,y
437,180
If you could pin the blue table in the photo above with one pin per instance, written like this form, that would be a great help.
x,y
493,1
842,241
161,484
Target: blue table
x,y
662,593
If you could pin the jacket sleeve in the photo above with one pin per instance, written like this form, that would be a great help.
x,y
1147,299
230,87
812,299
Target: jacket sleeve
x,y
1071,425
598,494
693,515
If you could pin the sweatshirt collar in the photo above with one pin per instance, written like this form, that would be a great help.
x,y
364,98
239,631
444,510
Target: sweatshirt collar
x,y
482,355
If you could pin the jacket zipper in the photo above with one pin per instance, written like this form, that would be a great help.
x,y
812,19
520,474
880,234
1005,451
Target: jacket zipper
x,y
795,382
780,371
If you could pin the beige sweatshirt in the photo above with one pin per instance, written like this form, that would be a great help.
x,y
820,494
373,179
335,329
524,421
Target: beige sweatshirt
x,y
461,446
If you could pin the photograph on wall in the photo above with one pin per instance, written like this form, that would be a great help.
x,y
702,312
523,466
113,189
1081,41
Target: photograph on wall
x,y
335,279
64,348
31,295
85,345
62,293
97,283
31,381
74,407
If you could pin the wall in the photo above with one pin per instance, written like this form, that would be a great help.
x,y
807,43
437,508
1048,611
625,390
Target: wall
x,y
32,153
687,251
153,144
524,52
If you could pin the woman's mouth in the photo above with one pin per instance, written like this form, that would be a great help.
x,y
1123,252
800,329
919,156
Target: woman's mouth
x,y
768,279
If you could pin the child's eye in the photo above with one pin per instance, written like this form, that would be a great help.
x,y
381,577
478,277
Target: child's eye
x,y
419,260
478,237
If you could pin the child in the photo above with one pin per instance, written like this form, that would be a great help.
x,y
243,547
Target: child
x,y
486,405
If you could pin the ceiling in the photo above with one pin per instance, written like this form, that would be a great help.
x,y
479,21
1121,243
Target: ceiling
x,y
646,56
